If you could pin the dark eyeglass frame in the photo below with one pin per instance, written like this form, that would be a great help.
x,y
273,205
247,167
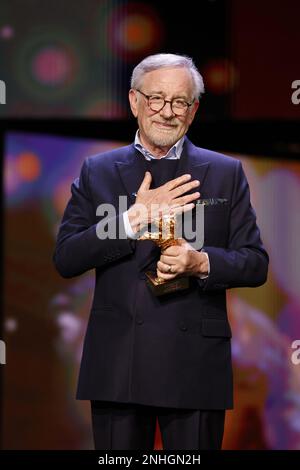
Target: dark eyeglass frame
x,y
165,101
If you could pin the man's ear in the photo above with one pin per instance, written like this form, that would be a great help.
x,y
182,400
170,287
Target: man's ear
x,y
133,102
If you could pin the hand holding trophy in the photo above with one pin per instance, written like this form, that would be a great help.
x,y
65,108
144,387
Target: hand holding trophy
x,y
150,209
164,236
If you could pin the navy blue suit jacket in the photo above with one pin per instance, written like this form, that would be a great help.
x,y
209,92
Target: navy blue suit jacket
x,y
173,350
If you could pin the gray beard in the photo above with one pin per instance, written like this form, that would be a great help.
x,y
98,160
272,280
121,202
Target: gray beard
x,y
163,141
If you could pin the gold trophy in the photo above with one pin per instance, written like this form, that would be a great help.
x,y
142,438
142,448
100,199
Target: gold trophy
x,y
164,236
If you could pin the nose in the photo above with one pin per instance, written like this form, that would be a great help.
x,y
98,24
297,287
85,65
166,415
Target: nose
x,y
166,111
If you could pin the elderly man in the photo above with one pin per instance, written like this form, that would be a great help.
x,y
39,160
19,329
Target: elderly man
x,y
167,356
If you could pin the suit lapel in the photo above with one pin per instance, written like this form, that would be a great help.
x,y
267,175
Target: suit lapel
x,y
131,173
195,163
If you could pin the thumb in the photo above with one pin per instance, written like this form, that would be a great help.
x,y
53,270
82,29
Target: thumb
x,y
145,186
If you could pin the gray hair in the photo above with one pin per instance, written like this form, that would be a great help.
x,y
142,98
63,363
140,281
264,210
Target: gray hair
x,y
157,61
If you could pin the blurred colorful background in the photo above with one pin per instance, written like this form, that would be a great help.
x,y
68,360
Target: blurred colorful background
x,y
67,66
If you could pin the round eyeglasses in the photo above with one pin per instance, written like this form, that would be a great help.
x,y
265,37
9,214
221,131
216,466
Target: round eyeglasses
x,y
156,103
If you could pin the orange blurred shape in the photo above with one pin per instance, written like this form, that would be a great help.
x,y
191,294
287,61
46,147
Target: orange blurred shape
x,y
61,195
136,30
28,166
220,76
139,32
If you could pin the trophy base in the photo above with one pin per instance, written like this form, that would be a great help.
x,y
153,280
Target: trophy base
x,y
160,286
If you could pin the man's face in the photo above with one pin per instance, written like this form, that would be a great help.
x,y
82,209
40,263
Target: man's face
x,y
164,128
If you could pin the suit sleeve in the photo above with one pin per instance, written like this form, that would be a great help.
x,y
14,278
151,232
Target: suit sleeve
x,y
78,247
244,262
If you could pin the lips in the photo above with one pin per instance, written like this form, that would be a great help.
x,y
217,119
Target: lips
x,y
163,125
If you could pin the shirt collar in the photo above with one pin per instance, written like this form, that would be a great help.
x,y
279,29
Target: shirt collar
x,y
173,154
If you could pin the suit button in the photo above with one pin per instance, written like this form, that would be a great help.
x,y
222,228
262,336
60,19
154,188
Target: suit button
x,y
183,327
139,320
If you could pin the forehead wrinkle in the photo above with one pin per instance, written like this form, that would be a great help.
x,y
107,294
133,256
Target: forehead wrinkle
x,y
163,81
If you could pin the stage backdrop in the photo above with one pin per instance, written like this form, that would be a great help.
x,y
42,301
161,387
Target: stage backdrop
x,y
45,316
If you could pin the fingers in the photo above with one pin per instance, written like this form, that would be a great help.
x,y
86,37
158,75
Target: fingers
x,y
146,182
177,210
184,188
178,181
165,199
157,213
167,255
184,200
165,267
168,259
160,272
